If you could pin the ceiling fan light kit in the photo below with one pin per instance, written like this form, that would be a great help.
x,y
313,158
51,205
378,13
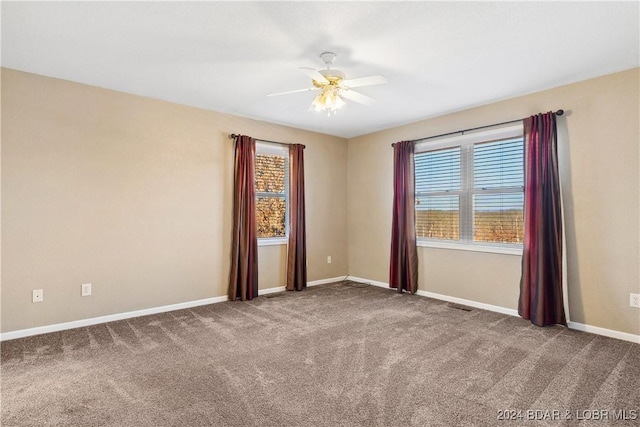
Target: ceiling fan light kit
x,y
333,87
329,99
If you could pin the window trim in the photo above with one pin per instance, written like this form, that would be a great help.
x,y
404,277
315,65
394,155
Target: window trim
x,y
466,142
496,248
271,149
272,241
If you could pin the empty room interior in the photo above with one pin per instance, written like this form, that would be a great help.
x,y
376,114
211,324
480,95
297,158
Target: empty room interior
x,y
320,213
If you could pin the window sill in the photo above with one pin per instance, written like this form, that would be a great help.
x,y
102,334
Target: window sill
x,y
273,241
474,247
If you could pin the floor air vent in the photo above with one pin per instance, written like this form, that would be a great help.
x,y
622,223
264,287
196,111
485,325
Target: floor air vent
x,y
459,306
275,295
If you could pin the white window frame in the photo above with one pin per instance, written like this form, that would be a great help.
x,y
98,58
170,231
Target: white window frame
x,y
266,148
466,142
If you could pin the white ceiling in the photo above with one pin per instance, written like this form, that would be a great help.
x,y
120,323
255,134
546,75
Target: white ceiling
x,y
439,57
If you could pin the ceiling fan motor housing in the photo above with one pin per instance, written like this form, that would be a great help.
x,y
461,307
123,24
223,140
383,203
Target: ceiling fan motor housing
x,y
334,77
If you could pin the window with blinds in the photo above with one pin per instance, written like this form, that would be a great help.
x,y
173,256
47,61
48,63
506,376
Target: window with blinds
x,y
469,189
272,188
438,187
498,191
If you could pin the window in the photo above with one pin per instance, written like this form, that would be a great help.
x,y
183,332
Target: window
x,y
272,192
470,190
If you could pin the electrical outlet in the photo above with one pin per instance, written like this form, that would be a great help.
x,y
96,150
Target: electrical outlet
x,y
634,300
37,295
86,289
329,259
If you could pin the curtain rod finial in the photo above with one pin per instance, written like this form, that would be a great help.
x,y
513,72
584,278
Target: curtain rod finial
x,y
559,112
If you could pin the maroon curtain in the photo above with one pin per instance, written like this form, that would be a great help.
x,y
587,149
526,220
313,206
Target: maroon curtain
x,y
297,251
541,283
243,279
403,272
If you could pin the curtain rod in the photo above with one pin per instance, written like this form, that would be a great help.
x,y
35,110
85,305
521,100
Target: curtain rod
x,y
233,136
557,113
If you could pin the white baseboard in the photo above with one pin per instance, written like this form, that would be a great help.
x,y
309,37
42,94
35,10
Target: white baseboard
x,y
189,304
469,303
509,311
370,282
441,297
108,318
137,313
324,281
605,332
277,289
271,290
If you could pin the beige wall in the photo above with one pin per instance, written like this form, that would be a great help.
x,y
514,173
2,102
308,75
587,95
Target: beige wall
x,y
134,196
599,164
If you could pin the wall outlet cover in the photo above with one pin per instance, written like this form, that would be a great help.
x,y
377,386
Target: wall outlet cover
x,y
86,289
37,295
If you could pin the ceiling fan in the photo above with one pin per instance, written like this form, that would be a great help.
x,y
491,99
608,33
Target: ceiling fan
x,y
333,86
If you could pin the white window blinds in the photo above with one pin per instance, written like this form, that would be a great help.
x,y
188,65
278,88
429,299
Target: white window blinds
x,y
470,188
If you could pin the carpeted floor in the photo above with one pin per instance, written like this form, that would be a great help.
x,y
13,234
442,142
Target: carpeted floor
x,y
333,355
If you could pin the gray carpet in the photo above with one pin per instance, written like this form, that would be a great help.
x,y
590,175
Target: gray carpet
x,y
333,355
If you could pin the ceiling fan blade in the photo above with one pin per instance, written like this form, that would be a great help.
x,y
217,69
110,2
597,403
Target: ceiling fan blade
x,y
315,75
293,91
357,97
365,81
